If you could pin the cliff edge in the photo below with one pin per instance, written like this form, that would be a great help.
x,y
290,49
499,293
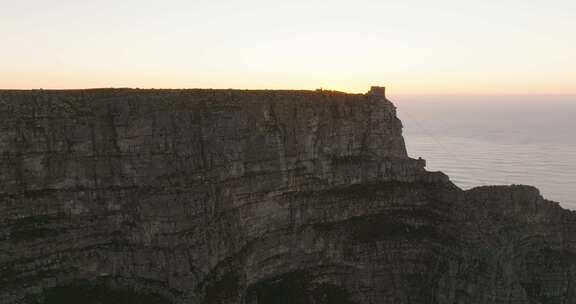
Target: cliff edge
x,y
231,196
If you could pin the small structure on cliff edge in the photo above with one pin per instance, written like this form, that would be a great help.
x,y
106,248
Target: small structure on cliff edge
x,y
377,91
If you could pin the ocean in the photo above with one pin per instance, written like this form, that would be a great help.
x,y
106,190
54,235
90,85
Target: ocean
x,y
496,140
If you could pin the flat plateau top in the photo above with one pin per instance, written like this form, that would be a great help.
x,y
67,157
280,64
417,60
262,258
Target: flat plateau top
x,y
172,91
182,98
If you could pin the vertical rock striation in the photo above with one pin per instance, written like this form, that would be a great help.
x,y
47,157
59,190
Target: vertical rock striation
x,y
228,196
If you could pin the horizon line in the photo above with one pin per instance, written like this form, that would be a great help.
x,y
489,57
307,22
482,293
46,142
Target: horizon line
x,y
295,89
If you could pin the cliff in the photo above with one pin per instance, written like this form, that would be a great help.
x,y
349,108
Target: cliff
x,y
228,196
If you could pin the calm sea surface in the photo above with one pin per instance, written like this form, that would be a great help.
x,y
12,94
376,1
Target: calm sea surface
x,y
491,140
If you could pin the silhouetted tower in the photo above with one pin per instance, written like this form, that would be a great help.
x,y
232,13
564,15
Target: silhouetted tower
x,y
376,91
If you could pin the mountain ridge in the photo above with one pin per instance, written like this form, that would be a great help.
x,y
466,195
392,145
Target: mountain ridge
x,y
257,196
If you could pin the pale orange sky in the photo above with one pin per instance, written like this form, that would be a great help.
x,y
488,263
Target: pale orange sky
x,y
412,47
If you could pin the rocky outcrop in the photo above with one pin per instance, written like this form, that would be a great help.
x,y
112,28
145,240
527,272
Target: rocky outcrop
x,y
227,196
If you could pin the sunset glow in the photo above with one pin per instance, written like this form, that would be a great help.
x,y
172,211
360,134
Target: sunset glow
x,y
414,47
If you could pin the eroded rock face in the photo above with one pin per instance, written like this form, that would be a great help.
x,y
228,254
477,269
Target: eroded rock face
x,y
224,196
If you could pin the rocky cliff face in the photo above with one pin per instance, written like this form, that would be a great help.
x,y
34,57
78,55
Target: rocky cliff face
x,y
224,196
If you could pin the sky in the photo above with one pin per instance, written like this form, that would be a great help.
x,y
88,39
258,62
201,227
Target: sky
x,y
410,46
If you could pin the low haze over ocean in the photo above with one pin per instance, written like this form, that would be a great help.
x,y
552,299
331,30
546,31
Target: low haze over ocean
x,y
487,139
